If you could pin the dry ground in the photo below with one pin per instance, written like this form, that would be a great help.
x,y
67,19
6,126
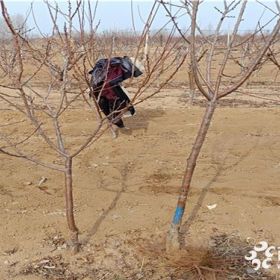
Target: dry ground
x,y
126,191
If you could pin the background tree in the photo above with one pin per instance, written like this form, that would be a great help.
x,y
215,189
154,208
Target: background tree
x,y
19,23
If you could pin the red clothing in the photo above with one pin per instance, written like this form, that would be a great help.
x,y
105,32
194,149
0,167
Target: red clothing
x,y
114,74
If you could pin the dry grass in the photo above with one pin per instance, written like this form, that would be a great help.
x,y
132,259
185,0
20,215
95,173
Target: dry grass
x,y
146,258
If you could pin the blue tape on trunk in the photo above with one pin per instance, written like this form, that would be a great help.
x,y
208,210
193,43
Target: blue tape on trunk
x,y
178,215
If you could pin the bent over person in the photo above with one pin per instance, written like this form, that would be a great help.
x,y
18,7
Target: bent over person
x,y
106,78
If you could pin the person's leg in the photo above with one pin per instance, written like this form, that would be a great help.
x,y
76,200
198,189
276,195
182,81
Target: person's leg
x,y
122,94
117,104
119,123
108,107
104,105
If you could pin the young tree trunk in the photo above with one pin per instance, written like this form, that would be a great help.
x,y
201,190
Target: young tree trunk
x,y
192,87
172,242
74,232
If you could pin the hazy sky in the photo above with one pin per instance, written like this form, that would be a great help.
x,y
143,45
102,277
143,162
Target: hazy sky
x,y
116,15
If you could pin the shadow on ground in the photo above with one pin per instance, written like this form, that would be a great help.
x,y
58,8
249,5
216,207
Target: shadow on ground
x,y
142,118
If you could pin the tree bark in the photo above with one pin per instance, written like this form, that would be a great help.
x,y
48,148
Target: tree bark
x,y
192,87
172,242
74,232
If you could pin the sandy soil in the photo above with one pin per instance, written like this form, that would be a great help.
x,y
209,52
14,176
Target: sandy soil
x,y
126,191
